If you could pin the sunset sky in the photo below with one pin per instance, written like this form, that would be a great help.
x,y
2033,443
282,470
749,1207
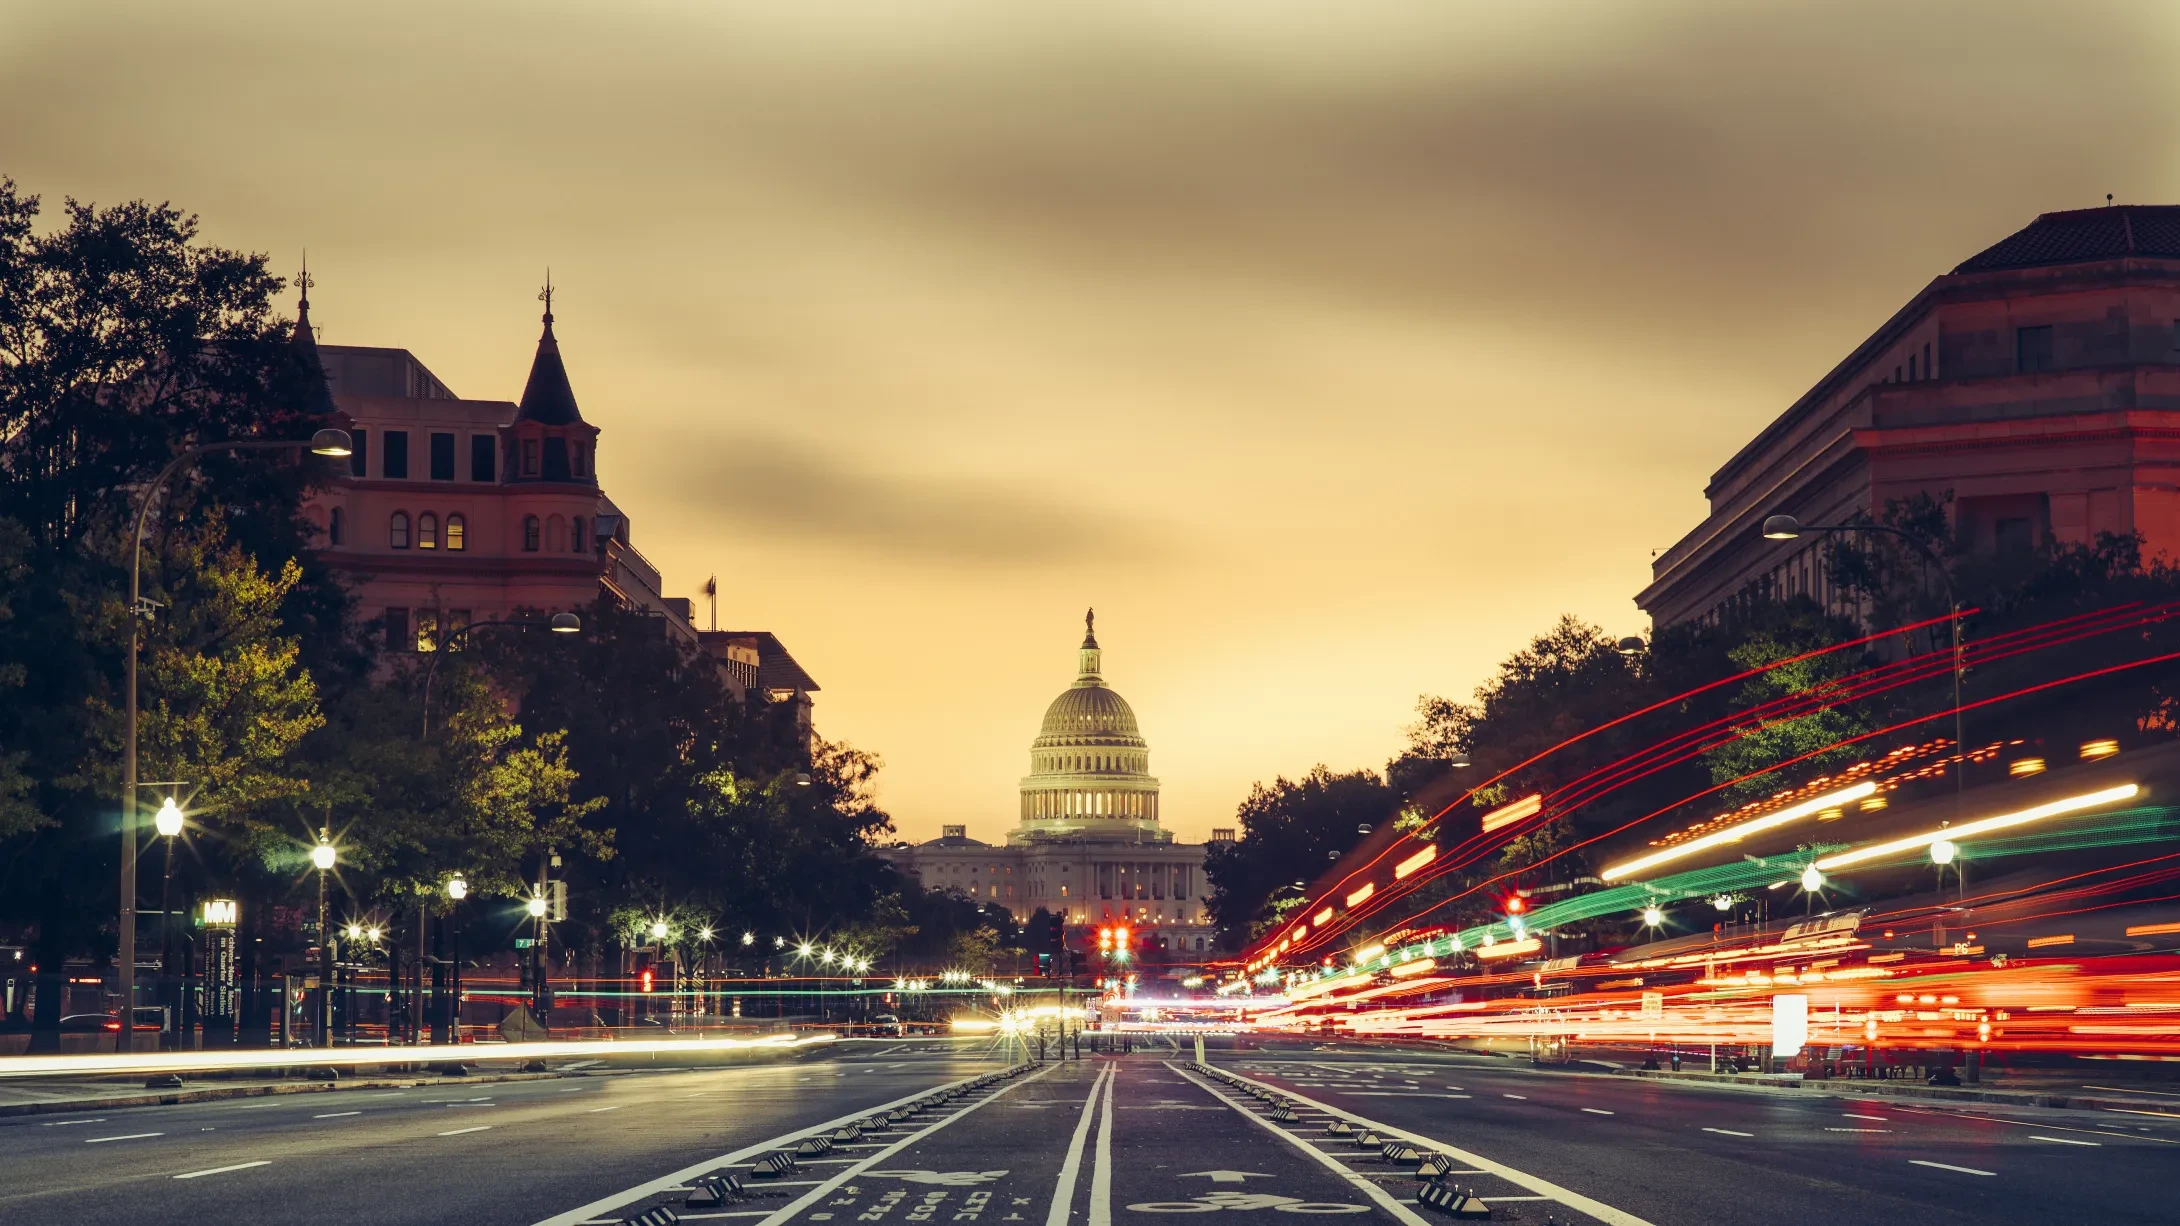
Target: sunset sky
x,y
1330,351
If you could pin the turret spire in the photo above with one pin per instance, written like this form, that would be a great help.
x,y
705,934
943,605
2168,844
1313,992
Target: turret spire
x,y
316,398
547,398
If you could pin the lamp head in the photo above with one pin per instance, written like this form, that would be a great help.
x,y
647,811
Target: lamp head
x,y
168,821
536,907
1812,880
749,938
703,934
802,779
457,889
566,623
1458,761
322,856
1632,645
1943,851
1652,917
1781,528
659,930
332,443
352,932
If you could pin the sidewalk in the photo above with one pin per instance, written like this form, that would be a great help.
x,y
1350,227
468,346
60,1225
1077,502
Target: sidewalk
x,y
47,1096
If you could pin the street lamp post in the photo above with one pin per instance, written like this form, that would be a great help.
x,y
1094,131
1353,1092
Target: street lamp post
x,y
168,822
1787,528
457,890
322,858
325,443
558,623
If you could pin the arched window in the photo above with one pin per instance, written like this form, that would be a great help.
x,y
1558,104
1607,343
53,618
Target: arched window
x,y
333,526
529,533
427,531
457,533
575,535
397,530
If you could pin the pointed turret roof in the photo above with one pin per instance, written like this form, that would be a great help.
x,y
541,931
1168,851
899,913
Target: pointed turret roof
x,y
317,397
546,398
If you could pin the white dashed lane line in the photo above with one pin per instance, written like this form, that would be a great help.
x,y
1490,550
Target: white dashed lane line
x,y
614,1107
335,1115
1947,1166
134,1136
459,1131
1522,1097
64,1123
1854,1116
2063,1140
222,1170
1596,1111
1728,1132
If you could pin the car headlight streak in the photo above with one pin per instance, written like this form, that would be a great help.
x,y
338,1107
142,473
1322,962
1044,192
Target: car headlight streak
x,y
1734,834
1917,842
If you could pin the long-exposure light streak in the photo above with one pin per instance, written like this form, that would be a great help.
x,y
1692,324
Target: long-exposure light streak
x,y
1917,842
1734,834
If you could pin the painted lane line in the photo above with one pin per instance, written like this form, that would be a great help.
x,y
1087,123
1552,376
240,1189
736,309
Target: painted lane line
x,y
1101,1174
459,1131
596,1110
2063,1140
1405,1215
1947,1166
1566,1196
134,1136
2095,1132
1728,1132
64,1123
1856,1116
1522,1097
335,1115
598,1208
222,1170
1884,1130
1596,1111
824,1189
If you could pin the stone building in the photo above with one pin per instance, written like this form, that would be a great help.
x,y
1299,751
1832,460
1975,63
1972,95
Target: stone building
x,y
2037,384
1086,845
458,511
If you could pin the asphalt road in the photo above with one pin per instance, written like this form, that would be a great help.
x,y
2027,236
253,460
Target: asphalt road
x,y
1104,1141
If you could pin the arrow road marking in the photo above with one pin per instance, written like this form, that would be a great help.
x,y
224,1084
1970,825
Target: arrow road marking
x,y
1227,1176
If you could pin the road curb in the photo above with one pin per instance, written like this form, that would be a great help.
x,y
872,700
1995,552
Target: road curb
x,y
214,1094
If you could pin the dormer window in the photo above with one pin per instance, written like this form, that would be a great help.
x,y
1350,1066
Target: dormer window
x,y
529,457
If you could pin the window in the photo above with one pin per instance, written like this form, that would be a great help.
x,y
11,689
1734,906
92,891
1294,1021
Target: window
x,y
2032,349
359,449
397,629
333,526
575,535
556,459
457,534
394,465
427,630
530,531
1911,368
442,456
397,530
529,457
480,457
1929,371
453,622
2014,536
578,459
427,531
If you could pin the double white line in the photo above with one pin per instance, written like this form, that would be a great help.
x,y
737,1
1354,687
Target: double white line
x,y
1101,1175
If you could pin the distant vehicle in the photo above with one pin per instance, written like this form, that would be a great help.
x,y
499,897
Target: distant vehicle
x,y
148,1017
887,1024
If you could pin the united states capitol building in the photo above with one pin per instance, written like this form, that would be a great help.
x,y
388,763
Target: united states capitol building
x,y
1086,845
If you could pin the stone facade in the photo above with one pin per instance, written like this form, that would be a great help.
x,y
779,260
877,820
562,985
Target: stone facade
x,y
1087,845
2038,384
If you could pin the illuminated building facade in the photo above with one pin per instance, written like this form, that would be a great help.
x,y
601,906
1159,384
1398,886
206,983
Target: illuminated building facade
x,y
1087,845
2037,385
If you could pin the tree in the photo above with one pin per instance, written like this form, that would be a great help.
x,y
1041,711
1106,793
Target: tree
x,y
1289,831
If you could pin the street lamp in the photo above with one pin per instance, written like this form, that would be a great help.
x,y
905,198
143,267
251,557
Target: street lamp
x,y
168,822
1787,528
325,443
558,623
1652,917
457,890
322,858
1812,880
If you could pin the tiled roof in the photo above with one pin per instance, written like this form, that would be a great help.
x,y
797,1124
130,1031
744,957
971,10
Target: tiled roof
x,y
2148,231
547,398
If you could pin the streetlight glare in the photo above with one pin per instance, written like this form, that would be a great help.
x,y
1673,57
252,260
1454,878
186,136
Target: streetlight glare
x,y
703,934
352,932
457,889
1812,880
749,938
1652,917
322,856
1943,851
659,930
536,906
168,821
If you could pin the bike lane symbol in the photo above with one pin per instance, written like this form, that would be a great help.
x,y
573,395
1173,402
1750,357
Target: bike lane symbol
x,y
1213,1202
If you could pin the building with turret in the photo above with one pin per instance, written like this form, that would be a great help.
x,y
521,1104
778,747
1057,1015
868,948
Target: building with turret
x,y
1086,845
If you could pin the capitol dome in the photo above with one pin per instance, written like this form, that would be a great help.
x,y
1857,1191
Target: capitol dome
x,y
1089,766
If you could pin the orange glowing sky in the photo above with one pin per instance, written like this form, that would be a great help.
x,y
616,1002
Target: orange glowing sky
x,y
1331,351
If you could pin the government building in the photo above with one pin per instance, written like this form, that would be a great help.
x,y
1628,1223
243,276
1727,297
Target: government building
x,y
1086,845
2034,389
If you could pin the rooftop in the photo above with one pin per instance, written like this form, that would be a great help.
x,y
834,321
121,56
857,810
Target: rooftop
x,y
2078,236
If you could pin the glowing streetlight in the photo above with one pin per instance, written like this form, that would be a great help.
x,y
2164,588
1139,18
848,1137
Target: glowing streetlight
x,y
1943,851
322,856
168,821
457,889
536,906
353,932
659,930
1652,917
703,934
1812,880
749,938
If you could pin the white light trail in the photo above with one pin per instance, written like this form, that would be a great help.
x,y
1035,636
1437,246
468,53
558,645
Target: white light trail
x,y
1734,834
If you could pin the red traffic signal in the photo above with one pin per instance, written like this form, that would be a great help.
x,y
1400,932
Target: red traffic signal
x,y
646,979
1515,906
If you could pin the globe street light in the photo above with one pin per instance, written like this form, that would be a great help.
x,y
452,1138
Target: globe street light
x,y
325,443
1812,880
457,890
322,858
168,822
536,907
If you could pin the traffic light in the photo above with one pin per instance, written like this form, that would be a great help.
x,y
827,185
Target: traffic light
x,y
1105,942
646,979
1120,939
1515,906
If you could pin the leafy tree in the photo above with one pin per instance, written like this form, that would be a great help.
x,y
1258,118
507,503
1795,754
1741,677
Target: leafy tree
x,y
1289,830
